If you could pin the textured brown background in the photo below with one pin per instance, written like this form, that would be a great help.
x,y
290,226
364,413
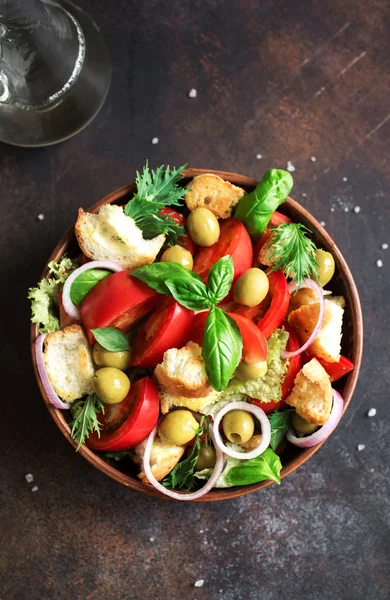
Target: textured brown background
x,y
285,79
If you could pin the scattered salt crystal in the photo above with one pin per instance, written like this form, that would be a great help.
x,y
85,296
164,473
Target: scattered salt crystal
x,y
151,539
385,246
360,447
313,159
332,209
29,477
290,167
346,209
356,210
345,179
371,412
199,583
379,263
322,223
34,488
155,140
40,217
259,156
304,195
192,93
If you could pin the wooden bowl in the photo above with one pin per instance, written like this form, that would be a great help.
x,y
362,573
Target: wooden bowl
x,y
342,283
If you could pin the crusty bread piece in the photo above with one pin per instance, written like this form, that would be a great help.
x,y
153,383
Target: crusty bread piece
x,y
163,458
309,296
168,400
68,361
111,235
212,192
266,251
312,393
327,344
252,443
183,372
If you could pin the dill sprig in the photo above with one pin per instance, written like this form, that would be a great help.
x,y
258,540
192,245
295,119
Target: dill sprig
x,y
85,418
293,252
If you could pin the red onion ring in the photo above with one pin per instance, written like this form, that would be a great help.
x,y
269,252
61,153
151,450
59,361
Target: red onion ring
x,y
51,394
178,495
307,283
324,431
265,430
70,308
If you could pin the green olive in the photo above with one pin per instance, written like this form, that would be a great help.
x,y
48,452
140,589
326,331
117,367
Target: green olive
x,y
111,385
178,427
178,254
246,371
203,227
207,457
105,358
325,266
301,425
251,287
238,426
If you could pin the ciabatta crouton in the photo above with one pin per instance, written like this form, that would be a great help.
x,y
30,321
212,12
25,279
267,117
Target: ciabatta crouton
x,y
212,192
312,393
168,400
68,361
309,296
327,344
111,235
183,372
163,458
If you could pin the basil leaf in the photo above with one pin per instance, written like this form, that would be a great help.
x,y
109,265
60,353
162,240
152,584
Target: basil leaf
x,y
220,279
85,282
265,467
111,339
157,274
221,348
280,424
255,209
189,293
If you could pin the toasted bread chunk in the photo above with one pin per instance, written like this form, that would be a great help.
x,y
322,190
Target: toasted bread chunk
x,y
183,372
309,296
327,344
111,235
212,192
169,401
163,458
266,251
312,393
68,361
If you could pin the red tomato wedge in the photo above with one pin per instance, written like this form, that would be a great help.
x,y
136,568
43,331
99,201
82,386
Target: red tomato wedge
x,y
254,344
117,301
337,369
277,219
129,422
280,299
234,240
169,327
184,240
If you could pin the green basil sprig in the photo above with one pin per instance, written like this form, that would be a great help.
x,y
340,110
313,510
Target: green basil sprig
x,y
220,279
111,339
280,424
264,467
85,282
157,274
255,209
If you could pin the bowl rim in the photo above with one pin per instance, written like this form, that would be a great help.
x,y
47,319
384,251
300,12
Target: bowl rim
x,y
350,380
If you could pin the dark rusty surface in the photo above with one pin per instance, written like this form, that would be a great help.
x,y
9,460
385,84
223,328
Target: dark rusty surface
x,y
287,80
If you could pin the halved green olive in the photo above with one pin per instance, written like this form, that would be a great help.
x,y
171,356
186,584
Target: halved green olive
x,y
105,358
180,255
111,385
207,457
238,426
178,427
203,227
251,287
325,266
301,425
246,371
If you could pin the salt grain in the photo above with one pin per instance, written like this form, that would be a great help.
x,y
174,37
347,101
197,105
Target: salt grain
x,y
345,179
385,246
379,263
371,412
259,156
356,210
332,209
34,488
155,140
151,539
290,167
360,447
199,583
29,477
322,223
40,217
313,159
192,93
346,209
304,195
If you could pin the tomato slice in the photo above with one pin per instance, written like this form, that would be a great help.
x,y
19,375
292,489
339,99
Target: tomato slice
x,y
184,240
234,240
254,344
119,301
129,422
169,327
337,369
280,299
277,219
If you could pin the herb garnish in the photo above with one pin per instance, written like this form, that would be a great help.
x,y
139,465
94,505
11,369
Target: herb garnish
x,y
280,424
262,468
85,282
111,339
84,413
293,252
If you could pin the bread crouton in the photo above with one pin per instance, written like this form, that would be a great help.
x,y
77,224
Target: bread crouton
x,y
309,296
68,362
111,235
183,372
266,251
327,344
163,458
169,401
312,393
212,192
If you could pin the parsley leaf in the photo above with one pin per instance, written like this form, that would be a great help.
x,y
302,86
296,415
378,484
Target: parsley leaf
x,y
85,418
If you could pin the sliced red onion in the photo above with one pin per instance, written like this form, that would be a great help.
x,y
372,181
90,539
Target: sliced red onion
x,y
51,394
181,495
323,432
70,308
307,283
265,430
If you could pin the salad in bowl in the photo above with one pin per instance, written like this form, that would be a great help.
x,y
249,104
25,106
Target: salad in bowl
x,y
188,340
